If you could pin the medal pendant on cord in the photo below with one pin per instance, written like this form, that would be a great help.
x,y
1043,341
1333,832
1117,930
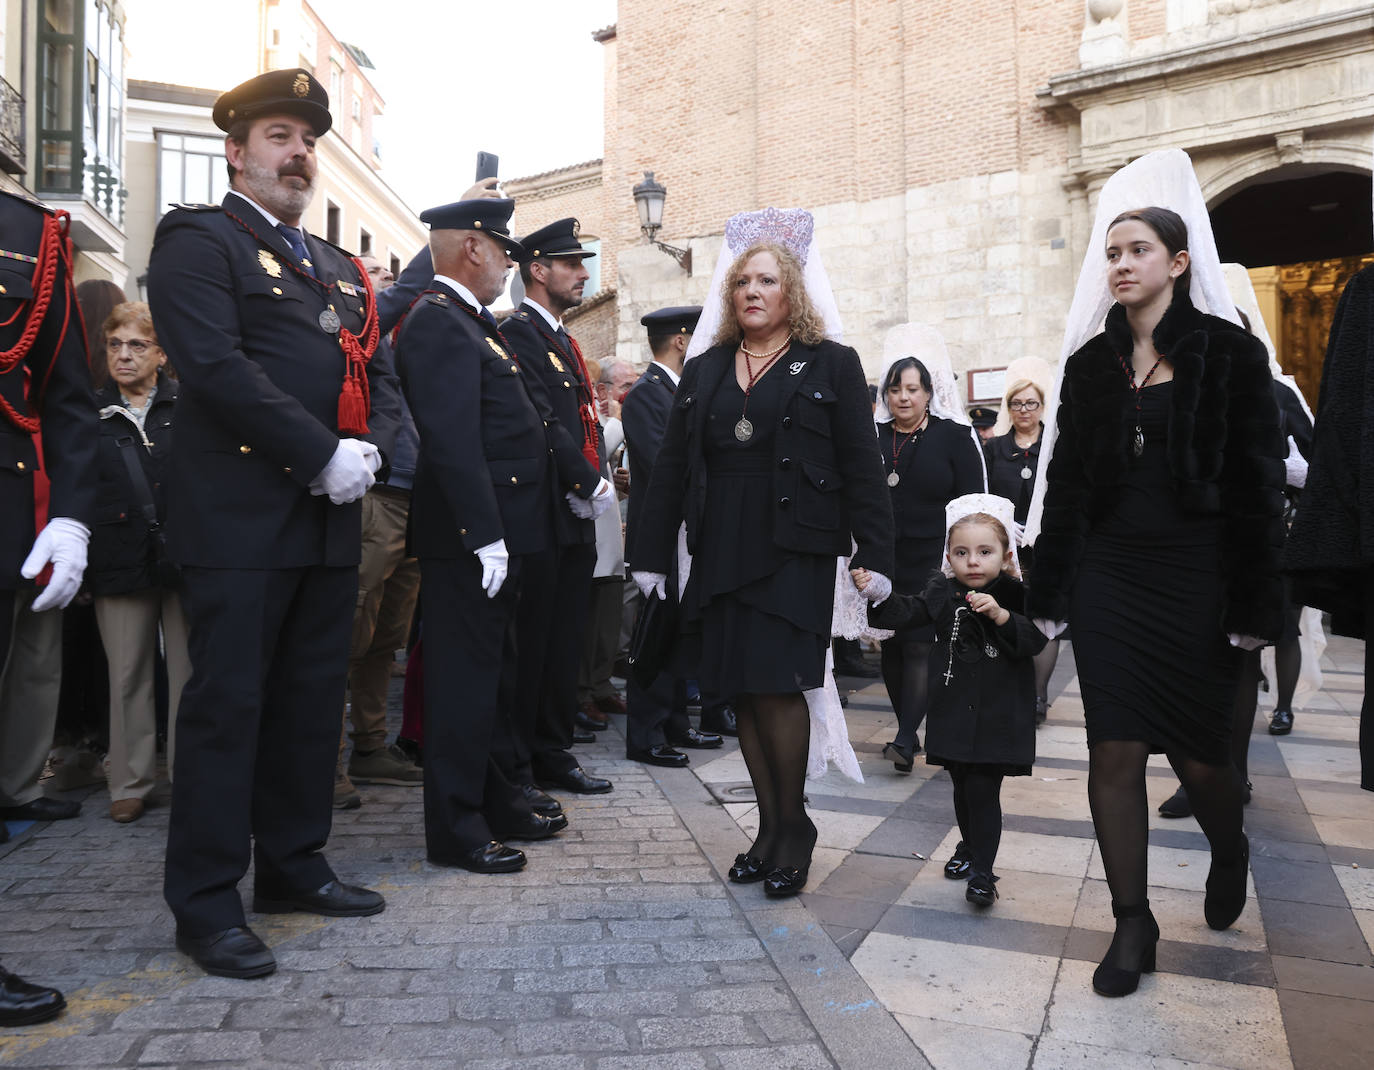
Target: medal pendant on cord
x,y
744,430
329,321
1138,445
1026,473
893,479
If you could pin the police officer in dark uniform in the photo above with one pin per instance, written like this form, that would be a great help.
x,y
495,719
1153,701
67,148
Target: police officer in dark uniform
x,y
284,419
44,397
480,511
552,617
657,715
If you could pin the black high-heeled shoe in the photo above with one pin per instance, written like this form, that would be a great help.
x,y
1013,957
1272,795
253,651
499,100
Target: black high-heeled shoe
x,y
1226,889
960,862
1116,981
748,869
785,880
902,758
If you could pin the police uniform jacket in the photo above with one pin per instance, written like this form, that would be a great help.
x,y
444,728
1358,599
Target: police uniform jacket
x,y
483,472
257,416
60,390
644,414
120,552
552,377
828,479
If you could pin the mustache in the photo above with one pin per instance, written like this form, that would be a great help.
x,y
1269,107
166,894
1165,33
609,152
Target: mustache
x,y
297,169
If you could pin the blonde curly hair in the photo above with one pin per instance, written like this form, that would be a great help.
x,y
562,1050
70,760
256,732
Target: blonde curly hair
x,y
804,321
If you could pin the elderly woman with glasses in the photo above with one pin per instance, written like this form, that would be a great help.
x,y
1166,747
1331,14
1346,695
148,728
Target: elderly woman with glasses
x,y
135,588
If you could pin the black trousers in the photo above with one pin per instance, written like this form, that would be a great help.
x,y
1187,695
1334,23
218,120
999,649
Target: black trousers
x,y
656,712
551,621
468,798
257,736
6,623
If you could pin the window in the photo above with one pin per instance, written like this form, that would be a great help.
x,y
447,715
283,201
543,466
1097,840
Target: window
x,y
309,43
81,111
395,265
593,266
333,217
364,242
336,85
190,170
357,108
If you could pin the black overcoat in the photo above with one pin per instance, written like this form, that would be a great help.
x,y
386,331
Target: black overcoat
x,y
56,363
1006,461
121,551
1224,453
827,474
1333,532
257,414
984,711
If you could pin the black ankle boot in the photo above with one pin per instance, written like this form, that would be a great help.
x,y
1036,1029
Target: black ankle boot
x,y
1111,980
1226,888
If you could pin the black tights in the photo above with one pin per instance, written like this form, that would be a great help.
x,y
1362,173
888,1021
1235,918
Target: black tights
x,y
978,808
1044,669
1243,712
906,674
774,736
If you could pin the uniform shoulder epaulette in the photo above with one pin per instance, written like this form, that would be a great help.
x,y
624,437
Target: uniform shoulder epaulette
x,y
22,196
440,299
200,207
337,248
520,314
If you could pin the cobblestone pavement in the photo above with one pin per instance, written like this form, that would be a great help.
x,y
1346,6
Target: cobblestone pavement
x,y
622,946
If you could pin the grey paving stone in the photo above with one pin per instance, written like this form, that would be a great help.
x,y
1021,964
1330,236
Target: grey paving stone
x,y
393,1011
582,979
165,1014
616,1004
610,952
743,999
782,1028
792,1057
1327,1032
286,1014
184,1048
449,1041
71,1051
676,976
401,958
744,972
538,1038
506,1005
711,950
678,1060
710,1030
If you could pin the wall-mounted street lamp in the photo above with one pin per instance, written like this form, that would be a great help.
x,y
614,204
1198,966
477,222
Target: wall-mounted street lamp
x,y
649,197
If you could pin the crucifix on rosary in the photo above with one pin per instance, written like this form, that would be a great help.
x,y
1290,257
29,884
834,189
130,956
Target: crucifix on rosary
x,y
1138,440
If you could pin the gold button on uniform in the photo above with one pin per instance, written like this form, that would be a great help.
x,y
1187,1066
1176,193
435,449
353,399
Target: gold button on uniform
x,y
512,479
566,383
3,290
245,449
20,466
577,486
276,290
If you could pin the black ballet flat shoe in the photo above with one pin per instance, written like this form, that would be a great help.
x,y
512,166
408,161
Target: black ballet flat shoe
x,y
1116,981
748,869
1176,805
959,864
1281,723
981,892
1042,711
785,880
1226,889
902,758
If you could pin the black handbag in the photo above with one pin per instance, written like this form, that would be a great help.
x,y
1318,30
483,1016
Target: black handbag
x,y
651,643
161,568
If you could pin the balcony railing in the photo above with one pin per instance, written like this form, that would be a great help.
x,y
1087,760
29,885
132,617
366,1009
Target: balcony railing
x,y
12,160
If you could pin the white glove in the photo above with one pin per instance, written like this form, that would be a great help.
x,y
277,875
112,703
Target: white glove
x,y
63,545
648,582
1295,465
602,499
1018,533
1051,629
1246,642
879,588
349,472
580,507
495,562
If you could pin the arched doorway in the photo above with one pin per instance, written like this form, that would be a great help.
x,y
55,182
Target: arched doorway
x,y
1302,232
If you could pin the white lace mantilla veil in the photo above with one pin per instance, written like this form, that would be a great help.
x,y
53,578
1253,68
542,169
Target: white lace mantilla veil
x,y
1160,179
1038,371
794,229
926,344
1311,638
992,504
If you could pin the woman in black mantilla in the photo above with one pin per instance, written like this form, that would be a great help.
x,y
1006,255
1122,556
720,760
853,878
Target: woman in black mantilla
x,y
930,457
769,458
1159,540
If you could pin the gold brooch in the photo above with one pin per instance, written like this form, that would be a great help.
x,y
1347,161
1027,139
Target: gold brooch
x,y
269,263
301,86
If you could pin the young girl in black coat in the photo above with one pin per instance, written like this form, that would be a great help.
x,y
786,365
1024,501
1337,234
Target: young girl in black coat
x,y
981,719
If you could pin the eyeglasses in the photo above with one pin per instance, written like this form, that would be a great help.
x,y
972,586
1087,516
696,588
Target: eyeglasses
x,y
137,346
1023,406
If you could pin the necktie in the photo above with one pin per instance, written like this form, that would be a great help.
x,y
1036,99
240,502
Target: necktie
x,y
563,337
486,315
297,243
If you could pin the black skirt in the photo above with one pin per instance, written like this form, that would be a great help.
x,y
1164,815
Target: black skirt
x,y
1146,614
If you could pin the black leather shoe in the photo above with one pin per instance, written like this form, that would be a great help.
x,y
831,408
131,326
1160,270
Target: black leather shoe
x,y
22,1003
698,740
1226,889
584,720
538,827
1281,723
235,952
659,754
785,880
539,802
1139,934
902,758
491,857
748,869
334,900
981,892
411,750
1042,711
583,735
41,809
580,781
1176,805
959,864
722,721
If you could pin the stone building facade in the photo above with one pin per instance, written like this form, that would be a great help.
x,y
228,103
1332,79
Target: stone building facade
x,y
952,152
